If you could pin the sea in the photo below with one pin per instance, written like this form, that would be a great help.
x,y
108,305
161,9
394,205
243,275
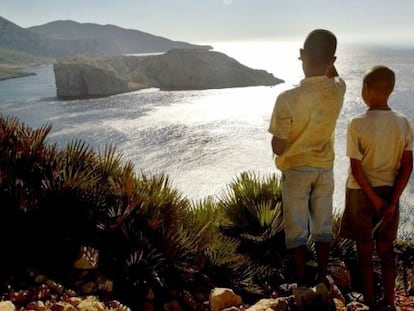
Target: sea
x,y
204,139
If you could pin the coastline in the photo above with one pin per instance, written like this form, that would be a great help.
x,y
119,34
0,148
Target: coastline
x,y
13,72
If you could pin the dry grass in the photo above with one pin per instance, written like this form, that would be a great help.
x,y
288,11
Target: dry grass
x,y
8,71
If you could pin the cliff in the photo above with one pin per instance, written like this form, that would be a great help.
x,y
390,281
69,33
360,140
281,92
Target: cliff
x,y
178,69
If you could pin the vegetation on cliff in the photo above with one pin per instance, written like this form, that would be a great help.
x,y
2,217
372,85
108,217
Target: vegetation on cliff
x,y
13,64
148,235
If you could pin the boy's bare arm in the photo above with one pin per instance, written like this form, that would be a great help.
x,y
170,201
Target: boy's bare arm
x,y
404,173
278,145
331,72
366,187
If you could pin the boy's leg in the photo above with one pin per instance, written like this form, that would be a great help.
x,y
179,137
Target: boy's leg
x,y
365,251
322,253
386,235
295,192
321,219
385,251
299,259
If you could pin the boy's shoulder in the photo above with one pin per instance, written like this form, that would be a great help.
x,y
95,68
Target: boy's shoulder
x,y
363,116
289,93
311,84
359,116
400,115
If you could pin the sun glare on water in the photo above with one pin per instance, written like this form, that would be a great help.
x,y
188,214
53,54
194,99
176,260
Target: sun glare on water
x,y
277,57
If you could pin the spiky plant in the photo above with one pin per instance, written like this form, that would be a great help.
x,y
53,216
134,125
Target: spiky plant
x,y
25,162
69,203
404,250
146,220
201,226
215,260
213,253
252,208
116,180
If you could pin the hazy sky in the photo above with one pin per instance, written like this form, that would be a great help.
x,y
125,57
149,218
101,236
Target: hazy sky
x,y
217,20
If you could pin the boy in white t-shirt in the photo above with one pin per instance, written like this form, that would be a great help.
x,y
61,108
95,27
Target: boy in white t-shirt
x,y
379,145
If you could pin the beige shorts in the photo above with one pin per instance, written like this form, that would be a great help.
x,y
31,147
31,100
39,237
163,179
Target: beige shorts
x,y
307,205
359,217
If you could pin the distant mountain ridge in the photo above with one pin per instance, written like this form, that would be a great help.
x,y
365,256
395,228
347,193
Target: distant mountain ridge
x,y
64,38
14,37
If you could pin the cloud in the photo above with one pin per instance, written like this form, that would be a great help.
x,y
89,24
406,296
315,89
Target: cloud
x,y
227,2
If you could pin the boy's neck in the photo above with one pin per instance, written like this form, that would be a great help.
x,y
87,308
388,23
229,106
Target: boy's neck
x,y
379,107
314,73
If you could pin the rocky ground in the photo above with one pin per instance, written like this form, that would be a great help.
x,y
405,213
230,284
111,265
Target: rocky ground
x,y
43,294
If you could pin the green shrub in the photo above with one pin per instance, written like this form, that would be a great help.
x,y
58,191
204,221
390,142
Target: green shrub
x,y
252,209
25,163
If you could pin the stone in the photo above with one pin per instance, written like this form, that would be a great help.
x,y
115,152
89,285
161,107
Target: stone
x,y
336,293
7,305
356,306
319,297
270,304
91,303
62,306
74,301
222,298
339,305
340,274
36,305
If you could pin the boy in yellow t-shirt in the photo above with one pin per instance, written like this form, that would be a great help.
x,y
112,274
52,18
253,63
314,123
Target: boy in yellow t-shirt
x,y
379,145
303,124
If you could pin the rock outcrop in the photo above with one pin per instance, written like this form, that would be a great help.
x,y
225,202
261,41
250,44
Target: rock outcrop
x,y
178,69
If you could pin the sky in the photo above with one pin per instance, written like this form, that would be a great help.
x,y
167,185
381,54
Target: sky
x,y
204,21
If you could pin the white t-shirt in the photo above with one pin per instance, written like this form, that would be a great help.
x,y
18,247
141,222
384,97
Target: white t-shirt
x,y
378,138
305,116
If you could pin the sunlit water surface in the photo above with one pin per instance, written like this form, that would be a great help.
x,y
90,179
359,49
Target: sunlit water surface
x,y
205,139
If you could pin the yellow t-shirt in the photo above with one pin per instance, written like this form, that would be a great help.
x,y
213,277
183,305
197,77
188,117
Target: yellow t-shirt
x,y
378,138
305,116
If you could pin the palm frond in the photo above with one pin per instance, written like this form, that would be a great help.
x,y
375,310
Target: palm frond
x,y
223,252
110,161
200,225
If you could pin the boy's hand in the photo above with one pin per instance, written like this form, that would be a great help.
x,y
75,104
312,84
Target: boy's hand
x,y
379,206
389,213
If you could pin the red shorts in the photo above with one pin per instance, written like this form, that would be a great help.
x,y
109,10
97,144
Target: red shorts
x,y
359,217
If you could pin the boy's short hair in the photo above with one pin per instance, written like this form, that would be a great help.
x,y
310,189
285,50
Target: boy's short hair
x,y
320,45
381,78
